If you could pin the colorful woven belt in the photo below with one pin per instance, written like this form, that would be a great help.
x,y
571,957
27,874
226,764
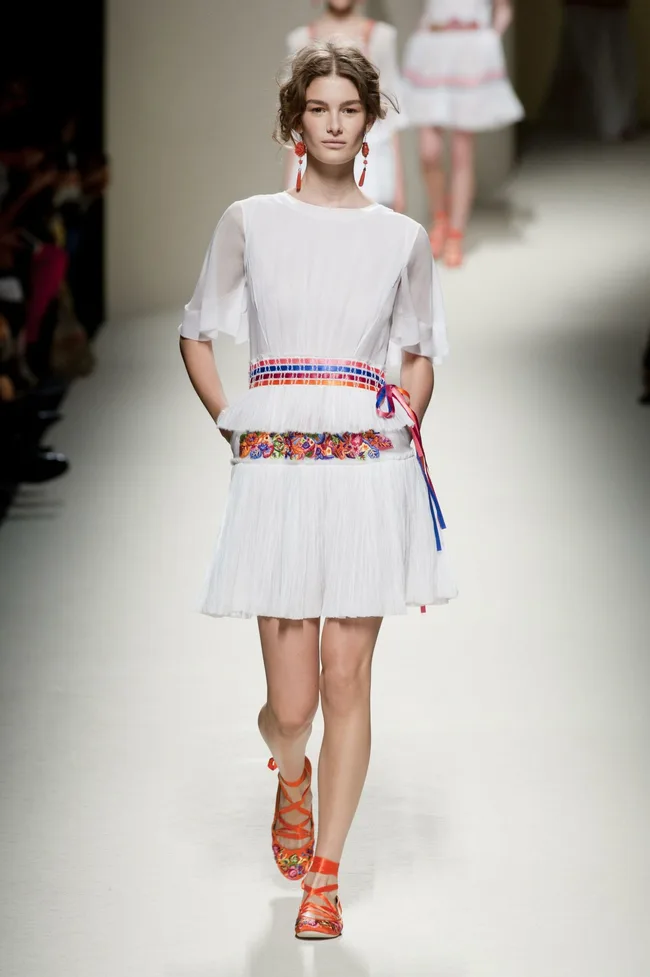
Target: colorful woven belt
x,y
456,25
352,373
308,370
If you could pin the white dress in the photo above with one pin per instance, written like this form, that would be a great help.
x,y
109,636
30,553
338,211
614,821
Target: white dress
x,y
381,48
457,78
329,537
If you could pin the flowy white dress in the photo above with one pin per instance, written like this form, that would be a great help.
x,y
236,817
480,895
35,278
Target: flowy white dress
x,y
455,72
380,46
328,513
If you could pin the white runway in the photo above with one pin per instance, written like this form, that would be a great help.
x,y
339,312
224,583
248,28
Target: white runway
x,y
504,828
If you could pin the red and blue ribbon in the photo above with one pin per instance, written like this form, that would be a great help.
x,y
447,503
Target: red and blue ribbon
x,y
390,395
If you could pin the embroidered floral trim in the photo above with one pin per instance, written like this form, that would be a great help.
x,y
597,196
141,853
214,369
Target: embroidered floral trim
x,y
305,923
293,863
295,446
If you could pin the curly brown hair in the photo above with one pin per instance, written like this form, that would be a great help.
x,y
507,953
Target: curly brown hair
x,y
320,60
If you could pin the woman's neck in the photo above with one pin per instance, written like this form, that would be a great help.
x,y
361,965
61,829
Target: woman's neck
x,y
348,24
328,186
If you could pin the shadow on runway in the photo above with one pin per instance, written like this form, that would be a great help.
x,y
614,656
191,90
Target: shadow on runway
x,y
498,221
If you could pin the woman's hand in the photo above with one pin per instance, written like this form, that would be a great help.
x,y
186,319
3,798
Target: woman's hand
x,y
226,435
416,377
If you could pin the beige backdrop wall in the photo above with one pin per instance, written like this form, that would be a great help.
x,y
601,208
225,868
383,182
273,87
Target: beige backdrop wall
x,y
191,96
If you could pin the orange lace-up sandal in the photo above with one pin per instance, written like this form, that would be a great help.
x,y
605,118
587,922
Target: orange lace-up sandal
x,y
453,251
438,233
320,918
293,862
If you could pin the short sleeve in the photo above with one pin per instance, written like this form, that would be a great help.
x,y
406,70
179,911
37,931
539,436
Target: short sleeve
x,y
418,323
297,39
219,303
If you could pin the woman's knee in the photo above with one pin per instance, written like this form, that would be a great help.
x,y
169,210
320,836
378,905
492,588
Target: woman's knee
x,y
345,683
462,149
293,717
430,146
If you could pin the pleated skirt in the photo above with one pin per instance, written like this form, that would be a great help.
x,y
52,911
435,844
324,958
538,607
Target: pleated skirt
x,y
459,80
330,538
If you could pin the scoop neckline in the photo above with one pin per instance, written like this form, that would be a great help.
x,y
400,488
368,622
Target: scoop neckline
x,y
285,195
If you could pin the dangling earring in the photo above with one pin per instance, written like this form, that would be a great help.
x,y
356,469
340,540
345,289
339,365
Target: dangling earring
x,y
299,150
365,149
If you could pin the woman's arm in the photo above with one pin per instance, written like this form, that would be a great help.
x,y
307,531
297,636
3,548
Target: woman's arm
x,y
218,305
417,378
501,15
399,203
204,377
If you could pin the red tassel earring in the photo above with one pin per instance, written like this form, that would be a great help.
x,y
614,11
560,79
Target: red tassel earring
x,y
365,149
300,150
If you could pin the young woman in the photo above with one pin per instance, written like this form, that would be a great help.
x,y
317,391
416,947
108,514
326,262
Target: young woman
x,y
456,79
331,514
378,41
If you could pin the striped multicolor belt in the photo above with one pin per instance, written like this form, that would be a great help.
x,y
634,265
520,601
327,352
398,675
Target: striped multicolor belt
x,y
456,25
282,371
303,369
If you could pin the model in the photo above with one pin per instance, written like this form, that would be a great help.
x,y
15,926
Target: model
x,y
331,514
456,79
340,21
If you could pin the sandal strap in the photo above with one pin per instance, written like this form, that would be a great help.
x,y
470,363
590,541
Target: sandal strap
x,y
302,830
328,910
324,866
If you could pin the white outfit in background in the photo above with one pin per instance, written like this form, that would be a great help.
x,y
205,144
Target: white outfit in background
x,y
455,78
335,537
381,48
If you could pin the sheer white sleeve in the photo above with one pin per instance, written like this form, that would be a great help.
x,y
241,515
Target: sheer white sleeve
x,y
418,323
219,302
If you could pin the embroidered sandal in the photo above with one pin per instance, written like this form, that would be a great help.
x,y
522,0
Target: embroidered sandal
x,y
293,862
321,919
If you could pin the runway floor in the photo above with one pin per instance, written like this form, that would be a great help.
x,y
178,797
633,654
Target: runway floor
x,y
504,828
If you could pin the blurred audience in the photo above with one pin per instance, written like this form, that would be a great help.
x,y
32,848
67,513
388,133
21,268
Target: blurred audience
x,y
645,375
50,275
595,86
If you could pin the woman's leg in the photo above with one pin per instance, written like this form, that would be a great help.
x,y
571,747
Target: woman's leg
x,y
433,173
347,646
291,661
462,193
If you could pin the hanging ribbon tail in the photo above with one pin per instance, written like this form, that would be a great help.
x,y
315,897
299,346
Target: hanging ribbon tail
x,y
390,395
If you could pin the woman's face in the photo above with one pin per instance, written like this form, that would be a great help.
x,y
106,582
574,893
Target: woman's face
x,y
334,121
339,7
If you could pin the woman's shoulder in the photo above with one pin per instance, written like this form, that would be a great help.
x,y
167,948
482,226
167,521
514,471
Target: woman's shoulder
x,y
383,36
298,38
401,222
